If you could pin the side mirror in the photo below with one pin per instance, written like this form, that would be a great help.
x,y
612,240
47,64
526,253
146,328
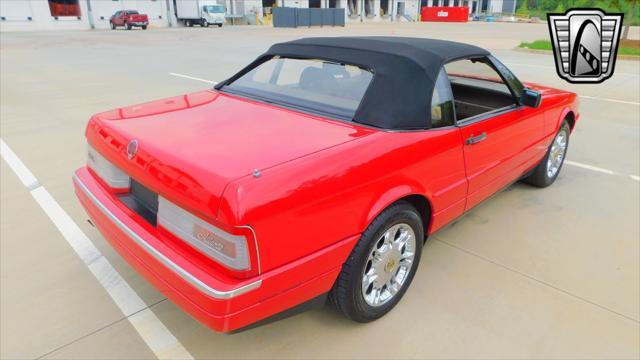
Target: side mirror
x,y
530,98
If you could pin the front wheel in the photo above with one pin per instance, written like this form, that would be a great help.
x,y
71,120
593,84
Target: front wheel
x,y
204,23
381,266
219,25
128,26
548,169
113,26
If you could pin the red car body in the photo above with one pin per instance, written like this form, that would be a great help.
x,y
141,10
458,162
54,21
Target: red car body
x,y
129,19
304,203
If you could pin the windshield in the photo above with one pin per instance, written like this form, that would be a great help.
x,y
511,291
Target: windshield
x,y
214,9
308,84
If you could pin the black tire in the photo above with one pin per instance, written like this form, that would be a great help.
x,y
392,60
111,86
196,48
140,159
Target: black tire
x,y
204,23
347,293
219,25
113,26
144,27
128,26
540,177
188,23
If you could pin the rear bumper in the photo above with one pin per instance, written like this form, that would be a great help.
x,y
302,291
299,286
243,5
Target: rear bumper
x,y
221,303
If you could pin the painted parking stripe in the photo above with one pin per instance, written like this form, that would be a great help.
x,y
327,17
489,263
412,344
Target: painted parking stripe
x,y
159,339
610,100
600,170
573,163
590,167
553,67
581,96
193,78
26,177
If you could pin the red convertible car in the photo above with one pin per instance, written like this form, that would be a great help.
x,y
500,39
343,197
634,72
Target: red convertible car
x,y
318,170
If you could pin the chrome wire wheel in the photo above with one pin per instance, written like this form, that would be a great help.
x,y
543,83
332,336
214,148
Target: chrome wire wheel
x,y
388,265
557,152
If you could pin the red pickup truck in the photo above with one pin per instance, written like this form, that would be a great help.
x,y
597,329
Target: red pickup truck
x,y
129,19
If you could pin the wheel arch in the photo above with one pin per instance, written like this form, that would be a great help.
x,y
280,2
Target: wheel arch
x,y
407,193
571,119
570,116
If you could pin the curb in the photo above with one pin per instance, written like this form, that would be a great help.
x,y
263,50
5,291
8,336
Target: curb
x,y
549,52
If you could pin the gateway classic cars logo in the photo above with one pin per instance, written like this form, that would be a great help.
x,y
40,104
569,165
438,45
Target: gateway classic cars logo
x,y
585,43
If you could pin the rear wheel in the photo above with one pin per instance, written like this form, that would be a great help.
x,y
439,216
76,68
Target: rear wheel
x,y
144,27
381,266
188,23
219,25
548,169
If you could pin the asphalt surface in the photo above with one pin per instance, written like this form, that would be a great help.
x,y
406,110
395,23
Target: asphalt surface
x,y
530,273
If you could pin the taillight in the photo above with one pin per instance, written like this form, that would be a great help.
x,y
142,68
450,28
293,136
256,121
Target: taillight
x,y
109,173
231,251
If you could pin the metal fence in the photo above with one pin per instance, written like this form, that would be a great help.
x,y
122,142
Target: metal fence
x,y
296,17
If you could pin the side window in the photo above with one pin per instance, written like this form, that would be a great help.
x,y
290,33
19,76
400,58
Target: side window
x,y
442,111
477,87
511,79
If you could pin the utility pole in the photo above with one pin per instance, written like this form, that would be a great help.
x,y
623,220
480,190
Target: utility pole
x,y
393,11
90,15
362,10
169,13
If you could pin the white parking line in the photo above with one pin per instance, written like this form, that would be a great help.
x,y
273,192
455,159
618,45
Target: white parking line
x,y
553,67
24,174
193,78
581,96
573,163
159,339
599,169
590,167
611,100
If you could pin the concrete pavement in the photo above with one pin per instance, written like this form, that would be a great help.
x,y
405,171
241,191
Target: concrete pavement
x,y
530,273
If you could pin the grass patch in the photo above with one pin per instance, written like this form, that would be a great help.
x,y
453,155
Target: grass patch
x,y
628,47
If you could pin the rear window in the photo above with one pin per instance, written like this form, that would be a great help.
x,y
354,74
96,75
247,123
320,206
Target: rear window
x,y
309,84
132,12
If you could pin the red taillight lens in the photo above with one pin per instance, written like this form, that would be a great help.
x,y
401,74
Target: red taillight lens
x,y
229,250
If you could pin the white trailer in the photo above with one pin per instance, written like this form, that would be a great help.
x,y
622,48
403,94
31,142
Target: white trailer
x,y
200,12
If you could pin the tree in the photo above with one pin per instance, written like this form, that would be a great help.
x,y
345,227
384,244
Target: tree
x,y
523,10
632,11
559,9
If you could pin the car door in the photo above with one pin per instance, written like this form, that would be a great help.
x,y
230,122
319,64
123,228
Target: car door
x,y
444,167
501,137
117,18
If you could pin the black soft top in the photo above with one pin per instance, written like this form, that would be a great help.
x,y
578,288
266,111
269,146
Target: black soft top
x,y
405,71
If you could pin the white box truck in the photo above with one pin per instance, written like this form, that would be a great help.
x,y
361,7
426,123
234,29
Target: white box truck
x,y
200,12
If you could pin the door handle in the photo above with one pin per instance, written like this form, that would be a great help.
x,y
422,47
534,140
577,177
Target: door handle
x,y
476,139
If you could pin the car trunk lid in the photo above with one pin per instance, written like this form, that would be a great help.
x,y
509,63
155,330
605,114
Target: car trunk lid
x,y
190,147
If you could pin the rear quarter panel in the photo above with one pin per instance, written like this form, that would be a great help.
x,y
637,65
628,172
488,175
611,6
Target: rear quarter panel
x,y
307,204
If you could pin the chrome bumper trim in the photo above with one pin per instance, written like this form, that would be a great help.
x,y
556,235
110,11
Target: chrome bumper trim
x,y
188,277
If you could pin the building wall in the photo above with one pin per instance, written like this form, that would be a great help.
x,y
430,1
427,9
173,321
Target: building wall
x,y
16,14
